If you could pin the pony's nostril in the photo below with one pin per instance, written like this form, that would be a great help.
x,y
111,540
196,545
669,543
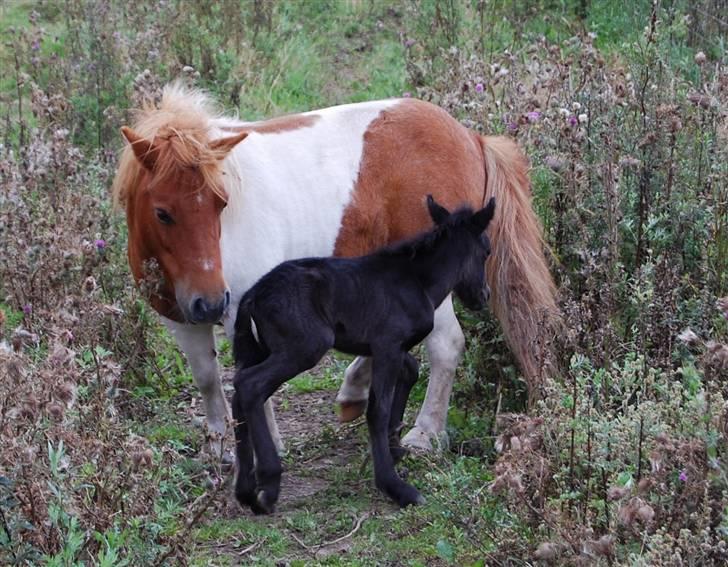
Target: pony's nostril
x,y
199,308
227,298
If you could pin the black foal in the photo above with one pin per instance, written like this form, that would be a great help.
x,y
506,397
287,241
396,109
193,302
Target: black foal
x,y
380,305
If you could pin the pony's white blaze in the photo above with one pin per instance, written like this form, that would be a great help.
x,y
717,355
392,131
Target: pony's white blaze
x,y
287,192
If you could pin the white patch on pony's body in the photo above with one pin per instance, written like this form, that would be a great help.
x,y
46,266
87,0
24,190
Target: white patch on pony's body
x,y
207,265
287,191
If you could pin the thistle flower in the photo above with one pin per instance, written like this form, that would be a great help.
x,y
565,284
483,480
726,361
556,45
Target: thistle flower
x,y
406,94
534,116
100,244
479,87
683,476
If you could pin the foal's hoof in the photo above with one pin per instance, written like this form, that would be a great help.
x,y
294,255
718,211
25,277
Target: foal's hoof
x,y
262,504
349,411
410,497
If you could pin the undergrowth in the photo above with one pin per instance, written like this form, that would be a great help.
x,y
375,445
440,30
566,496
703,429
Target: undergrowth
x,y
622,110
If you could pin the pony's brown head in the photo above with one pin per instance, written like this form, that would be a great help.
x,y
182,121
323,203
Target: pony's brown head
x,y
172,187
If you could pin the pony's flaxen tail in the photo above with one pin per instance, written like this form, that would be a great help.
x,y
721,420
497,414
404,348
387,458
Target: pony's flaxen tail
x,y
523,292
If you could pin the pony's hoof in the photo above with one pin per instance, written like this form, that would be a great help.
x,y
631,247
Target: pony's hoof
x,y
349,411
419,440
262,504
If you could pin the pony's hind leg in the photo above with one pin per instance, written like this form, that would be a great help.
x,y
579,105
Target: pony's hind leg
x,y
407,379
445,346
386,368
354,392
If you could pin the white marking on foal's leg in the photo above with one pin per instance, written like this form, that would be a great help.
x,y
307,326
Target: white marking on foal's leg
x,y
354,392
198,344
445,346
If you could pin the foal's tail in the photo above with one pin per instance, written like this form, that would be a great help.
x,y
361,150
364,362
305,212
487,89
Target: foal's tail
x,y
523,292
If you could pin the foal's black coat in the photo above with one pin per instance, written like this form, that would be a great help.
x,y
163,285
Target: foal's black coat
x,y
380,305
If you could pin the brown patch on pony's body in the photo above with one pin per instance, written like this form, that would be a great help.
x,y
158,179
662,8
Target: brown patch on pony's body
x,y
411,150
277,125
415,149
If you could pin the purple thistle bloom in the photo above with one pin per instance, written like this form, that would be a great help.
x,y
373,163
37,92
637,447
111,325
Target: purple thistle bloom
x,y
512,126
100,244
533,116
409,42
35,46
406,94
27,308
479,88
573,120
683,476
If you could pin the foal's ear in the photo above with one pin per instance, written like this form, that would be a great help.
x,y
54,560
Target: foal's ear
x,y
438,213
146,152
224,145
482,218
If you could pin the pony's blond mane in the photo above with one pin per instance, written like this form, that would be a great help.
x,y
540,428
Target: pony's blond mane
x,y
180,125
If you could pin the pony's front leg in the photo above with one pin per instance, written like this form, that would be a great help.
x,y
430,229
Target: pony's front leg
x,y
198,344
386,368
445,345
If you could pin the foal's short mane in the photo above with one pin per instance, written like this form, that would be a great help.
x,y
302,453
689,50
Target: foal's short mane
x,y
180,124
427,240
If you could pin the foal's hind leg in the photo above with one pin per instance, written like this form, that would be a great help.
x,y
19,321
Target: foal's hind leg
x,y
255,385
445,346
407,379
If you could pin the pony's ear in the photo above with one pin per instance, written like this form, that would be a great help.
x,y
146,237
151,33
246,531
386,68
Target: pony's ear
x,y
482,218
224,145
145,151
438,213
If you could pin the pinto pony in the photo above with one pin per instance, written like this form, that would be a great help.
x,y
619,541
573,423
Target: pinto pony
x,y
380,306
218,202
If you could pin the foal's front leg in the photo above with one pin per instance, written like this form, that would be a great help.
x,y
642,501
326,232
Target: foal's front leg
x,y
407,379
386,369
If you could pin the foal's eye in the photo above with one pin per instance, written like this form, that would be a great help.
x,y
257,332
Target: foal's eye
x,y
163,216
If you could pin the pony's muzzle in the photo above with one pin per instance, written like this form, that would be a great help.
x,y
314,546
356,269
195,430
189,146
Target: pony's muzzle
x,y
204,310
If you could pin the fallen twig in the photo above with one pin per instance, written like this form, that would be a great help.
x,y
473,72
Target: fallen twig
x,y
318,546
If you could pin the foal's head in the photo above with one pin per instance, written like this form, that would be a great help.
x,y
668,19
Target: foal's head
x,y
472,288
173,204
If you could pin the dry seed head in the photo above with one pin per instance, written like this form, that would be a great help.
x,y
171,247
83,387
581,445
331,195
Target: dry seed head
x,y
617,493
66,392
547,551
56,410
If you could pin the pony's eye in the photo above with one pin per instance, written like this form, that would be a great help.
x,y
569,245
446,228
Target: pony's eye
x,y
163,216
